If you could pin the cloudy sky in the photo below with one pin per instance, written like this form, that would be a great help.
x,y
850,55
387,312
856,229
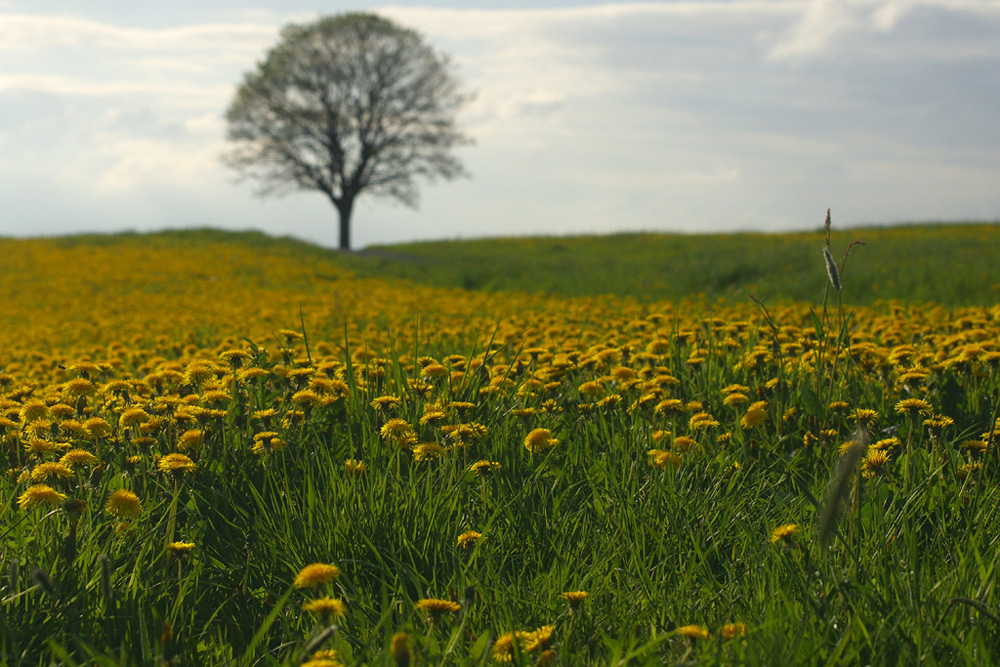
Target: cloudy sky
x,y
589,117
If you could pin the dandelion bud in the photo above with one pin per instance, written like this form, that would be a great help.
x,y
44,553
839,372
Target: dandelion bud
x,y
41,578
400,650
831,269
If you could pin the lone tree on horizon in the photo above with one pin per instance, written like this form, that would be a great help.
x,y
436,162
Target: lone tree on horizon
x,y
347,104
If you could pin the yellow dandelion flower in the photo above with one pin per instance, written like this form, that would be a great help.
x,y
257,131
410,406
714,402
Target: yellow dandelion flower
x,y
133,417
264,415
433,417
354,467
939,422
85,368
212,397
62,411
400,648
180,549
684,443
123,504
435,371
428,451
78,457
847,446
484,468
316,574
97,427
198,371
785,533
322,660
190,439
914,407
73,428
669,406
469,539
733,630
539,639
864,417
117,387
307,398
755,416
610,401
326,607
735,398
38,494
696,632
662,458
574,598
396,429
386,403
290,335
968,469
874,463
503,647
80,387
975,447
249,374
539,440
235,358
49,469
40,446
176,463
33,410
436,607
887,443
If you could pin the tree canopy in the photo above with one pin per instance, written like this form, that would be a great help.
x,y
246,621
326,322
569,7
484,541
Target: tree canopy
x,y
348,104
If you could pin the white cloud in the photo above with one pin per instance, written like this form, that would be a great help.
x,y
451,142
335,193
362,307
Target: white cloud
x,y
180,91
674,115
29,32
824,23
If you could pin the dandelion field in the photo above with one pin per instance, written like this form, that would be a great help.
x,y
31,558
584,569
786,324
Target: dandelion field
x,y
227,449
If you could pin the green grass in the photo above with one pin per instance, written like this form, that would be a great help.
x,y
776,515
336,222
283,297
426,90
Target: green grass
x,y
903,572
953,264
949,264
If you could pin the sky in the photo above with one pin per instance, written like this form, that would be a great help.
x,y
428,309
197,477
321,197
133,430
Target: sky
x,y
588,117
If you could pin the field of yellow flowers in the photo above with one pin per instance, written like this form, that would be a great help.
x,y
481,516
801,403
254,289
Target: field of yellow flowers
x,y
222,452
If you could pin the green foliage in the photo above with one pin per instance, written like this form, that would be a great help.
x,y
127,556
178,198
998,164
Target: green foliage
x,y
951,264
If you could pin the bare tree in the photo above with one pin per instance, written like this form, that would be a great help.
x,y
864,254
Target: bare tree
x,y
349,104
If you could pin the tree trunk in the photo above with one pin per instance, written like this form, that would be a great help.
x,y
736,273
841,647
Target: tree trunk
x,y
344,206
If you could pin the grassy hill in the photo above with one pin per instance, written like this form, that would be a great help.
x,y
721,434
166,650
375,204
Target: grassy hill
x,y
951,264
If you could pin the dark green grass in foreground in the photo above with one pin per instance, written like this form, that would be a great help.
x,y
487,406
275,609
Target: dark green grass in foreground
x,y
909,580
953,264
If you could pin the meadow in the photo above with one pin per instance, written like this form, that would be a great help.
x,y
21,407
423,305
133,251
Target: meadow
x,y
232,449
952,264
